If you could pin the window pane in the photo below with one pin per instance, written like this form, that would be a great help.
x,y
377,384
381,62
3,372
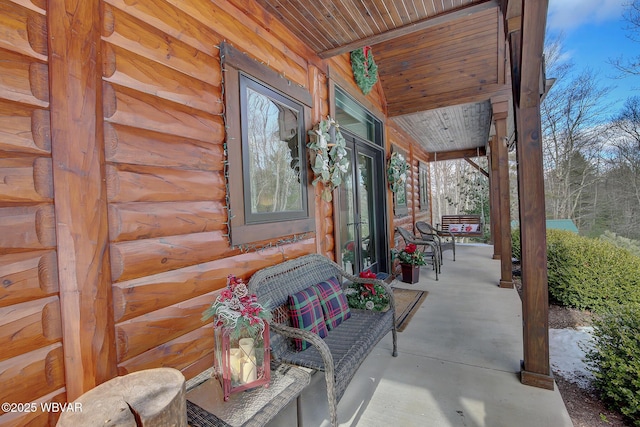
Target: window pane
x,y
274,155
352,116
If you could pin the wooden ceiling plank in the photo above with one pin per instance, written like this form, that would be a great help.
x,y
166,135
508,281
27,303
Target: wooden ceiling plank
x,y
440,59
357,16
293,22
341,12
440,100
411,28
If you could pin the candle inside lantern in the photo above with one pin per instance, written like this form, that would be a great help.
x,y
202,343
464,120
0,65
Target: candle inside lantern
x,y
249,370
246,345
235,360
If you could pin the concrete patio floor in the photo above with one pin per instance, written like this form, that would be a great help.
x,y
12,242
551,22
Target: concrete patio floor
x,y
457,365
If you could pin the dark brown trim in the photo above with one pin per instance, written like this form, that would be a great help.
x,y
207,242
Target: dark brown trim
x,y
80,196
241,232
457,154
229,55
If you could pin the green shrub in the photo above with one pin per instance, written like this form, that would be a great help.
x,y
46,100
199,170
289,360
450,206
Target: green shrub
x,y
615,360
515,243
589,273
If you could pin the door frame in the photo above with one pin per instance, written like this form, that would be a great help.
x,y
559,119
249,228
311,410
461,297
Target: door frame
x,y
384,246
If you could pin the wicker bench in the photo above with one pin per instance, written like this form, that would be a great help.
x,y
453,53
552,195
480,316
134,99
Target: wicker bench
x,y
462,225
341,353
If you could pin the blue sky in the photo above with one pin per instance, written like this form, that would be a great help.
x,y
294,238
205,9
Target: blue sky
x,y
594,33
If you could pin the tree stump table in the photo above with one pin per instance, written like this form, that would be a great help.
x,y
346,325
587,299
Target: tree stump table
x,y
150,398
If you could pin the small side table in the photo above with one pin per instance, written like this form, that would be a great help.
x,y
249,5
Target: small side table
x,y
206,406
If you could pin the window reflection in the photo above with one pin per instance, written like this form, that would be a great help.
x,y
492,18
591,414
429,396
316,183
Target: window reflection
x,y
274,153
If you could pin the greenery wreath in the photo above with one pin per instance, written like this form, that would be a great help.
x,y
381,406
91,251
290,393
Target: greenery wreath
x,y
397,171
365,70
330,162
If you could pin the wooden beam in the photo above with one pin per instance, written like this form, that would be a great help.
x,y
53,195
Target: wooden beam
x,y
477,166
424,24
494,204
504,205
536,370
457,154
77,149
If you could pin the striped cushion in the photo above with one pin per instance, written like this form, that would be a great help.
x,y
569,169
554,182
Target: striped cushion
x,y
306,314
334,303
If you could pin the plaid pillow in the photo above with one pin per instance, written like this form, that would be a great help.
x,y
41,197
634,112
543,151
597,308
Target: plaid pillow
x,y
306,314
334,303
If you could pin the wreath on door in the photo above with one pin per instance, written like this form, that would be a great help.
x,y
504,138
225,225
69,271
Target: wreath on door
x,y
397,171
365,70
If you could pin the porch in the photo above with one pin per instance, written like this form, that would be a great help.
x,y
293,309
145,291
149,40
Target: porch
x,y
458,361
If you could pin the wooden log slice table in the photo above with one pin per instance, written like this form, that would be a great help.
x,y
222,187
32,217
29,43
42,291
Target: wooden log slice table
x,y
150,398
206,406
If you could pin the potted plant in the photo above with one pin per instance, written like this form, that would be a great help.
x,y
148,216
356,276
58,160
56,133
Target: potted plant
x,y
410,261
367,296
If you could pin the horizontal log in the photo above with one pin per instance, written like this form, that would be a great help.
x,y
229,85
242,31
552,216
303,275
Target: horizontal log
x,y
38,372
158,18
144,220
129,69
37,418
24,129
27,276
298,249
24,80
151,330
198,366
23,31
233,24
31,227
141,296
28,326
25,180
127,183
130,260
136,146
136,109
178,353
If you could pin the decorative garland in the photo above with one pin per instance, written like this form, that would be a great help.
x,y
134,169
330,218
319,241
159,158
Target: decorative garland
x,y
365,70
330,162
397,171
234,308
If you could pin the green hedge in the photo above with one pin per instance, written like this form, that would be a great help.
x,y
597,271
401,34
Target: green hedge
x,y
615,360
588,273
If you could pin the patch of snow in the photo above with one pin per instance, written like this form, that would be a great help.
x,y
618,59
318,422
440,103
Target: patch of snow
x,y
567,349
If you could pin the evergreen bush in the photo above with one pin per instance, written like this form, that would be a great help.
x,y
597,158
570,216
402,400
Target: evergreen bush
x,y
615,360
590,274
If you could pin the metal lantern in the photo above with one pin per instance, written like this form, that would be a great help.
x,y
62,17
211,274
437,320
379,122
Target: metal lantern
x,y
241,358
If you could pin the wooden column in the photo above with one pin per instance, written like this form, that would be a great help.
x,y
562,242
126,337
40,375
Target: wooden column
x,y
77,148
506,268
494,201
527,55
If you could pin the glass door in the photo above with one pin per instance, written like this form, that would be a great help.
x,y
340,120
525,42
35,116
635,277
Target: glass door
x,y
362,209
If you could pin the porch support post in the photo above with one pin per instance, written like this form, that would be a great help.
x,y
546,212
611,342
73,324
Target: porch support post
x,y
77,150
527,66
506,268
494,205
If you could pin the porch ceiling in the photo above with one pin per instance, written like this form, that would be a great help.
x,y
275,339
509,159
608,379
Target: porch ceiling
x,y
440,62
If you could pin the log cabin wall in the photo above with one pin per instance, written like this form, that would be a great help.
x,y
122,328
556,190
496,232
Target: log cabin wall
x,y
31,360
415,155
160,125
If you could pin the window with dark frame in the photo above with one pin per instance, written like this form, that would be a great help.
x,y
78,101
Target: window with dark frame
x,y
400,207
423,178
266,120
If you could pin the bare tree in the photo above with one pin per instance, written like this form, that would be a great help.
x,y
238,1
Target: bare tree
x,y
630,66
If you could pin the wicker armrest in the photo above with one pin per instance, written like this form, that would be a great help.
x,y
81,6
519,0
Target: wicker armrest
x,y
314,339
